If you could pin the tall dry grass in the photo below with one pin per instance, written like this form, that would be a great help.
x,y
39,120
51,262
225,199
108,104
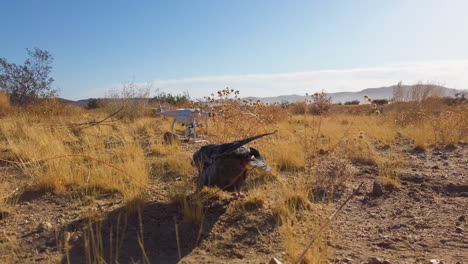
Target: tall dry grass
x,y
59,158
309,154
4,104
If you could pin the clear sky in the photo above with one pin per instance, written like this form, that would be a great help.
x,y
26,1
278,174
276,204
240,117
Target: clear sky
x,y
262,47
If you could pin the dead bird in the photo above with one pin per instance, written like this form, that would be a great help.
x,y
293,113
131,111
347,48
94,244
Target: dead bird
x,y
226,165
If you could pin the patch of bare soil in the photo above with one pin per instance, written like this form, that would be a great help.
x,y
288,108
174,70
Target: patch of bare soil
x,y
422,220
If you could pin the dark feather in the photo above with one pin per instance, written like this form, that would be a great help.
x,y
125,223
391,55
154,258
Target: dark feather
x,y
206,154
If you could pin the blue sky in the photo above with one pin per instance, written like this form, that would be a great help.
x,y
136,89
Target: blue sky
x,y
263,48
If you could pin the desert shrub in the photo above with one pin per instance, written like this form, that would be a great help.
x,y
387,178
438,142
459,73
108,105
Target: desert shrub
x,y
354,102
132,99
380,101
362,109
298,108
28,82
169,99
431,122
416,93
270,114
451,126
390,170
235,117
320,104
331,173
94,103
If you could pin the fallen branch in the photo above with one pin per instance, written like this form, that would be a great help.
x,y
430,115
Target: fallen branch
x,y
177,238
341,139
94,123
301,257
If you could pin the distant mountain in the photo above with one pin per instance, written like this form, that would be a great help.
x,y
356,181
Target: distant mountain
x,y
375,93
83,102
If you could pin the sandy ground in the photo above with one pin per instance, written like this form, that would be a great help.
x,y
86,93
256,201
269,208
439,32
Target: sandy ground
x,y
424,219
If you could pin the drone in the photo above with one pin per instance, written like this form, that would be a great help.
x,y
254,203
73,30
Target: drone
x,y
190,118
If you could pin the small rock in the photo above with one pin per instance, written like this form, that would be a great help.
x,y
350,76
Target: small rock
x,y
459,230
323,152
374,260
435,261
44,226
377,189
42,248
435,167
274,260
462,218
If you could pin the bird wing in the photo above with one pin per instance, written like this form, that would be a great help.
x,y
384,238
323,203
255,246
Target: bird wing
x,y
205,156
230,147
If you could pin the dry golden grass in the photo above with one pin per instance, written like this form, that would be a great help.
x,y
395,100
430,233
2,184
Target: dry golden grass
x,y
295,214
4,104
390,169
10,248
255,198
447,128
308,153
4,205
284,155
57,158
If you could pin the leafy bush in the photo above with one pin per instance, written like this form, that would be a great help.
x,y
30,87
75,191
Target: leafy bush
x,y
94,103
28,82
167,98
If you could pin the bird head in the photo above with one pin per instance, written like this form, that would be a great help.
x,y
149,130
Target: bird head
x,y
257,161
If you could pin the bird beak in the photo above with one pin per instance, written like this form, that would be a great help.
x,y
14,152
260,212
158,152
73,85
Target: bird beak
x,y
259,163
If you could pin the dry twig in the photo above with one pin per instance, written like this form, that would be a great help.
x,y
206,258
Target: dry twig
x,y
301,257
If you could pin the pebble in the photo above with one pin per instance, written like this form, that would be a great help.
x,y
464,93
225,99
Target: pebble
x,y
377,189
375,260
459,230
274,260
44,226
